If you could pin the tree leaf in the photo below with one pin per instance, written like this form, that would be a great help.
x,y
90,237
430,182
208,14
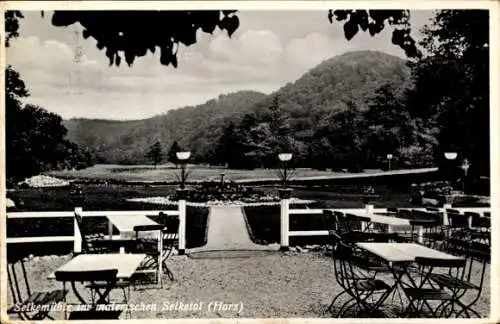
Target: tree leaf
x,y
350,29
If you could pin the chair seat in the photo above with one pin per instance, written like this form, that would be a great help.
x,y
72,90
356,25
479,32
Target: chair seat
x,y
100,285
39,299
448,281
372,285
427,294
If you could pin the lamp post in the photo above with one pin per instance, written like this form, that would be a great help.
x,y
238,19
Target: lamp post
x,y
222,179
389,158
465,166
450,156
183,157
284,158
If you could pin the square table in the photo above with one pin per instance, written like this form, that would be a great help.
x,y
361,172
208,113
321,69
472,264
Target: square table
x,y
399,257
125,224
403,252
125,263
390,222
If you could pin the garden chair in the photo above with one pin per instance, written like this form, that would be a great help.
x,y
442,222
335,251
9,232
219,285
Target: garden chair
x,y
170,235
481,227
422,292
97,242
457,232
355,233
28,305
366,292
148,240
404,213
468,281
100,283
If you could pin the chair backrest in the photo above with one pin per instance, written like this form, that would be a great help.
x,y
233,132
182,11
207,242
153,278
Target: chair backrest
x,y
404,213
17,278
86,248
440,262
108,275
354,222
477,220
422,214
451,210
392,210
457,220
432,209
487,214
330,219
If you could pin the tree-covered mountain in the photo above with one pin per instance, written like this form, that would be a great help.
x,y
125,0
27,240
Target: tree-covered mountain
x,y
333,85
196,127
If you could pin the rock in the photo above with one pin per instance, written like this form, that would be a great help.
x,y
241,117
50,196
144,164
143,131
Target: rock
x,y
274,245
302,250
293,249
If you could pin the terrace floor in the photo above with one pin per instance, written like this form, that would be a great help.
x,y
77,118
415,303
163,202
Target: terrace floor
x,y
273,285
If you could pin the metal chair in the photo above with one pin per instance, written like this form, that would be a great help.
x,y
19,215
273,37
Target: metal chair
x,y
170,235
421,290
28,305
367,292
100,283
97,242
477,259
480,227
148,240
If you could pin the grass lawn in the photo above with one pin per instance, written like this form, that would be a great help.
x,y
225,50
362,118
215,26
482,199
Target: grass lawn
x,y
168,173
276,285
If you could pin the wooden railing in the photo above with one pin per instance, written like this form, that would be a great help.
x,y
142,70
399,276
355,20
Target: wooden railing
x,y
76,238
285,213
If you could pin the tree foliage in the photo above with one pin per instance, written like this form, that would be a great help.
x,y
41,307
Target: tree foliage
x,y
155,153
172,153
374,21
452,84
35,139
134,33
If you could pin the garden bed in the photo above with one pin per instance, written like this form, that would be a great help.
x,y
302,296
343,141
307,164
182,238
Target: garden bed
x,y
264,225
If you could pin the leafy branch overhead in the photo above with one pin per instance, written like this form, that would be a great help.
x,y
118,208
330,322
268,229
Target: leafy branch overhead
x,y
130,34
374,22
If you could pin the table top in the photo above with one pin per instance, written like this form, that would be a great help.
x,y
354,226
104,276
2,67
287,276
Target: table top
x,y
125,263
403,252
126,223
388,220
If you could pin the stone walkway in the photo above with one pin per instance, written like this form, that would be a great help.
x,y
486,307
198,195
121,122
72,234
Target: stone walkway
x,y
227,231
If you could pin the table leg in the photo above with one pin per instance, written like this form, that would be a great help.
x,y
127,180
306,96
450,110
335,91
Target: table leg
x,y
110,229
160,258
420,234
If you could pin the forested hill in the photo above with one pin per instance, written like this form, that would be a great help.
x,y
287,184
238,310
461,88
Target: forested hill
x,y
126,142
342,82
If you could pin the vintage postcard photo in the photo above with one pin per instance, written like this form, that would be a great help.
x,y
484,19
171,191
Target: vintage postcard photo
x,y
248,160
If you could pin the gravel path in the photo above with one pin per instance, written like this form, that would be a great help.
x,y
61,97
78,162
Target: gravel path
x,y
275,285
227,231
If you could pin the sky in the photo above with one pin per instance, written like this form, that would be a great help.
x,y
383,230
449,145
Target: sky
x,y
269,49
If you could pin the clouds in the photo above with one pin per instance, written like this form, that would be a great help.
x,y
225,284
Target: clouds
x,y
268,50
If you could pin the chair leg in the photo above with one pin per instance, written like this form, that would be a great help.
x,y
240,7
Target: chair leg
x,y
329,309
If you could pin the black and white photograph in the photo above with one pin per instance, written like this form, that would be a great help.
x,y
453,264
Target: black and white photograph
x,y
249,160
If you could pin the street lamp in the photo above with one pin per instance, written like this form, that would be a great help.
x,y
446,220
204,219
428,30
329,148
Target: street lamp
x,y
284,158
183,157
450,155
389,158
465,166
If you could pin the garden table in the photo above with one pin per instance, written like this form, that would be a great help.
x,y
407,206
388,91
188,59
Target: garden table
x,y
390,222
400,256
126,224
125,263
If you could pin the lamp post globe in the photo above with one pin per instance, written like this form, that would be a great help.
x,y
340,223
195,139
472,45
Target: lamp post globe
x,y
183,156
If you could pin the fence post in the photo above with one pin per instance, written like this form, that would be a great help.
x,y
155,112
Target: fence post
x,y
369,209
182,226
77,236
446,220
285,223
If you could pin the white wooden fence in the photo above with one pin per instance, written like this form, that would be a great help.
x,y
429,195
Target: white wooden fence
x,y
76,238
285,213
